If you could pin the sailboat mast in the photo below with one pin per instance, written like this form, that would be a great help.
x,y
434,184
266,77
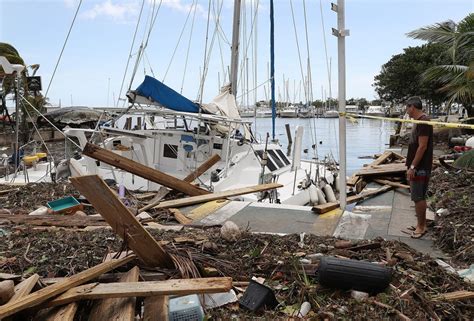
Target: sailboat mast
x,y
234,64
272,67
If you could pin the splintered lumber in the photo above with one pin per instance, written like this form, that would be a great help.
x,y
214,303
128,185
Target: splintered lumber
x,y
390,183
355,178
25,287
143,289
215,196
141,170
454,296
381,170
180,217
48,292
156,308
117,309
203,168
323,208
64,313
122,221
54,220
163,191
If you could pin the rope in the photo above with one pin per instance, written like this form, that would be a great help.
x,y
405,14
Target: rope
x,y
187,51
179,41
64,46
52,125
297,45
130,53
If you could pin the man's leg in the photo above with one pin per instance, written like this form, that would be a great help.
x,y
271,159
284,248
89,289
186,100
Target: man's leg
x,y
420,209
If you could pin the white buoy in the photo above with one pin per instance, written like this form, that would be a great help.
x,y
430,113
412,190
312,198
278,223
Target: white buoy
x,y
329,193
321,197
304,309
470,142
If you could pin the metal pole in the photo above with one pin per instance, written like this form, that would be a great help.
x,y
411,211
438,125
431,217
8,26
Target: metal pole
x,y
341,33
235,47
17,122
272,67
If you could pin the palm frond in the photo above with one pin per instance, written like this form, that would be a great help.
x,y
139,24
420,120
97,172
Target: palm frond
x,y
443,33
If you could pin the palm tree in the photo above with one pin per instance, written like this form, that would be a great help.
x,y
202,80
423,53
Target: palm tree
x,y
457,79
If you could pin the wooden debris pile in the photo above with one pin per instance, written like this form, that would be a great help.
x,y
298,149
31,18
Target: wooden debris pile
x,y
387,170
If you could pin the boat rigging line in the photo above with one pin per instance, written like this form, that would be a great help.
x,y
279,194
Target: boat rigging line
x,y
64,46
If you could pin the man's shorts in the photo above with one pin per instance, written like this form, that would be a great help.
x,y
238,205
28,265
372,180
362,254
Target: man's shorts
x,y
419,185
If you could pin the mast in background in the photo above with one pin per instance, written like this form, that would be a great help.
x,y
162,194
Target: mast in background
x,y
234,64
272,67
341,33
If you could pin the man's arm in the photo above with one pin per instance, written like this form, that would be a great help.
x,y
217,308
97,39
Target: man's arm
x,y
420,151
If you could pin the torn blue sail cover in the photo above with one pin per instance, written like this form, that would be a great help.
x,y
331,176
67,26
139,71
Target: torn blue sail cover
x,y
163,95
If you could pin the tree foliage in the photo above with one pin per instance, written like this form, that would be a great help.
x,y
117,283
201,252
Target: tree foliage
x,y
401,77
455,79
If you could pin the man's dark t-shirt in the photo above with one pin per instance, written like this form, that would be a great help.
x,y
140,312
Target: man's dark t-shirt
x,y
417,131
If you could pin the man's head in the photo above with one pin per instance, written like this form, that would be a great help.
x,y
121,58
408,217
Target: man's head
x,y
414,106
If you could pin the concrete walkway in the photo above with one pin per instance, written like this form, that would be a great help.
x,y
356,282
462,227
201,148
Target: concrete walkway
x,y
385,215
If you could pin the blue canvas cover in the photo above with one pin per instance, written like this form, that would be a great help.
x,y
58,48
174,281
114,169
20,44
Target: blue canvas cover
x,y
158,92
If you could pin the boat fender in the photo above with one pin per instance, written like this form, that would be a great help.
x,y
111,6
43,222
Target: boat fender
x,y
329,193
313,194
321,197
336,182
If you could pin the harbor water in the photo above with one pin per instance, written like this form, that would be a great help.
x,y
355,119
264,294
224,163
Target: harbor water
x,y
365,137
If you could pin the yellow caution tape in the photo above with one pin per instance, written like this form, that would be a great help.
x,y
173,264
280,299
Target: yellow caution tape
x,y
432,123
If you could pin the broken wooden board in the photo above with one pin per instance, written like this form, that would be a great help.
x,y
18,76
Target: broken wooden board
x,y
323,208
143,289
46,293
219,195
391,183
203,168
141,170
381,170
54,220
355,179
122,221
180,217
454,296
206,209
64,313
117,309
156,308
25,287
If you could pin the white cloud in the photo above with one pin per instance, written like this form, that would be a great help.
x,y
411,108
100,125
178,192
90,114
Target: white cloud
x,y
116,11
180,6
70,3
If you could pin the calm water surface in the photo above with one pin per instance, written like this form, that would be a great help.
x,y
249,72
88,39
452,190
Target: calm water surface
x,y
364,138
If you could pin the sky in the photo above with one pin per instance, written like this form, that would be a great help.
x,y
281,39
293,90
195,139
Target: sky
x,y
95,63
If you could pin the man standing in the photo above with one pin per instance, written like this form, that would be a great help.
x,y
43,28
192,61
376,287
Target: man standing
x,y
419,162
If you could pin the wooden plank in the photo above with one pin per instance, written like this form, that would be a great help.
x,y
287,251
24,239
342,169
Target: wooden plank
x,y
115,277
54,220
206,209
163,191
390,183
454,296
215,196
122,221
119,309
156,308
143,289
355,178
64,313
25,287
203,168
395,168
180,217
323,208
46,293
141,170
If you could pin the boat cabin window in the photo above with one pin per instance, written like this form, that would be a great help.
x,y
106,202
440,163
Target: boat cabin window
x,y
170,151
217,146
